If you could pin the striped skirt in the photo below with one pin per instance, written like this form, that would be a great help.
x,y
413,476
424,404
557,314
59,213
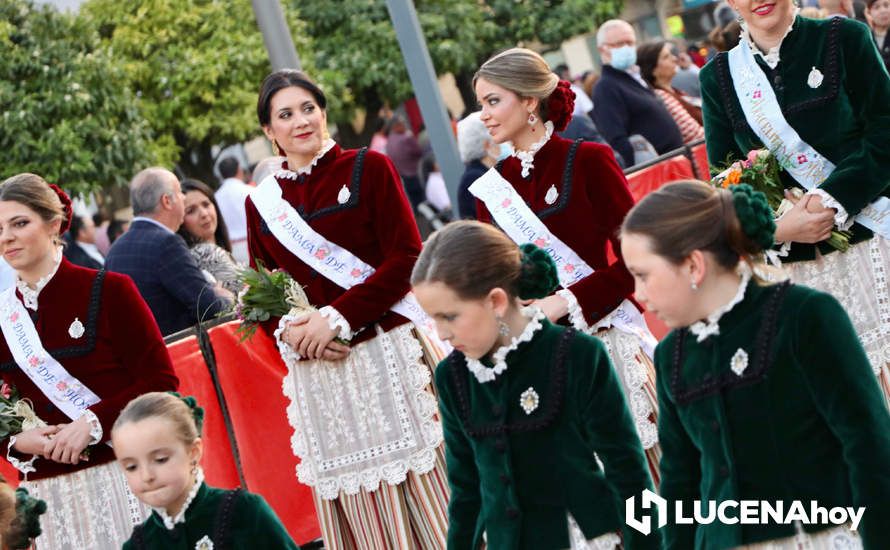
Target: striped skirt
x,y
91,508
367,432
411,515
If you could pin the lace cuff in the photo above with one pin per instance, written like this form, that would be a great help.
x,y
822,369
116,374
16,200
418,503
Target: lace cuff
x,y
24,466
287,352
576,314
96,431
336,320
774,256
842,220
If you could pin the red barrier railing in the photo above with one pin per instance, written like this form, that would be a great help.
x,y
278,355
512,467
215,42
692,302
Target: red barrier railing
x,y
688,162
247,434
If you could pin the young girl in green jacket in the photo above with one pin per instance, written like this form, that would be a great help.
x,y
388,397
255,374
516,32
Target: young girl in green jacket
x,y
526,406
764,391
157,442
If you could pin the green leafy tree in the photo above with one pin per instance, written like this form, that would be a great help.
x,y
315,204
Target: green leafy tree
x,y
357,54
197,66
65,115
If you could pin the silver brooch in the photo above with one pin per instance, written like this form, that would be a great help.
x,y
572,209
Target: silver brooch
x,y
76,329
529,400
814,80
204,544
343,195
552,195
739,362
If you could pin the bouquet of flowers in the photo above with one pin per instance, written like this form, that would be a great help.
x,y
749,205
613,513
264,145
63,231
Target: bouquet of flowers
x,y
16,414
266,294
761,171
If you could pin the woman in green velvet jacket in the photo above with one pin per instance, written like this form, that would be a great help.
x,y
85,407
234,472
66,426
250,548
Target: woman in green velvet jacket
x,y
832,91
764,389
524,404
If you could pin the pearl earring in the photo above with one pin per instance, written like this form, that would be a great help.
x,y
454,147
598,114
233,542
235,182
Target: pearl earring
x,y
694,285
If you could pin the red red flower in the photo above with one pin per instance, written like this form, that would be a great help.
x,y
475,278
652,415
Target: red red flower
x,y
560,105
66,207
6,391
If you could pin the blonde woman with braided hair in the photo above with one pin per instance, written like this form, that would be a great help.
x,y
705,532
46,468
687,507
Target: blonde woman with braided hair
x,y
567,197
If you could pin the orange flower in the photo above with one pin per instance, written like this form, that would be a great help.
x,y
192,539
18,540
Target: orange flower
x,y
734,177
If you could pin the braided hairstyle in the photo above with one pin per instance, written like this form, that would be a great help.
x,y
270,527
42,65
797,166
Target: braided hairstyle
x,y
526,74
472,258
732,224
184,412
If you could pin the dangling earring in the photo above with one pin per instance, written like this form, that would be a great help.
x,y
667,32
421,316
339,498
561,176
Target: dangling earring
x,y
532,119
277,149
503,329
194,467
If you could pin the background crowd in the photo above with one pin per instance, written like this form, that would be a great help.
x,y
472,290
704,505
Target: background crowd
x,y
184,242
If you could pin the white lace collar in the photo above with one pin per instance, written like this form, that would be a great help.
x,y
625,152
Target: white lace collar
x,y
710,327
170,522
527,158
29,295
306,170
485,374
772,56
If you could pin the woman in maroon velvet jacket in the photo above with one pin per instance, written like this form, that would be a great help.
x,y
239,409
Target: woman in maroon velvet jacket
x,y
95,327
580,194
365,423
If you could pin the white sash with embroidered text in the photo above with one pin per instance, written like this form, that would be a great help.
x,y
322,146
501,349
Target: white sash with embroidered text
x,y
518,221
797,157
64,390
337,264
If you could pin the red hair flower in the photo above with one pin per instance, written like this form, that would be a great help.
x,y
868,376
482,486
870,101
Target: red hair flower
x,y
560,105
66,207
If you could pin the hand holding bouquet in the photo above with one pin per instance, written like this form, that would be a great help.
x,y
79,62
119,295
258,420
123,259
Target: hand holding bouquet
x,y
267,294
16,414
761,171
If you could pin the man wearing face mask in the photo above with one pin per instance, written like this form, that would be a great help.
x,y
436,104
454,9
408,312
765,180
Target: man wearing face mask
x,y
624,105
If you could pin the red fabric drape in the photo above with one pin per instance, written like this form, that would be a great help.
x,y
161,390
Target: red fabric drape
x,y
250,375
194,379
649,179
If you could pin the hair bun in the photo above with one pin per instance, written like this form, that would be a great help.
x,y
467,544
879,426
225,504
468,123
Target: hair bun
x,y
192,404
66,207
755,215
538,277
561,105
26,525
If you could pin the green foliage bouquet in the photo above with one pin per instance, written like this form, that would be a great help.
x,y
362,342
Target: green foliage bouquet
x,y
266,294
761,171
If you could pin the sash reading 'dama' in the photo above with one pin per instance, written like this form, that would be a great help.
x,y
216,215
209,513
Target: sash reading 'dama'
x,y
518,221
64,390
334,262
806,165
